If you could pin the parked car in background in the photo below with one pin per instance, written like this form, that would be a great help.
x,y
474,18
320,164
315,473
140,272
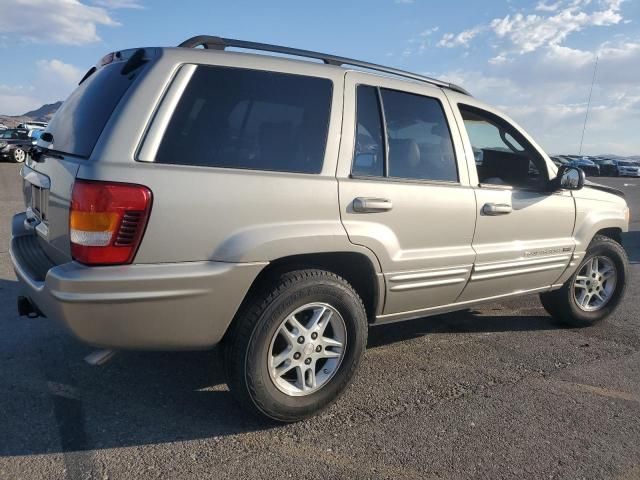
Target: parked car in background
x,y
559,161
278,207
14,144
3,126
608,167
35,135
589,167
628,169
33,125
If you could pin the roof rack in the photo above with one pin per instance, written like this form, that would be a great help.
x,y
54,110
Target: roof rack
x,y
218,43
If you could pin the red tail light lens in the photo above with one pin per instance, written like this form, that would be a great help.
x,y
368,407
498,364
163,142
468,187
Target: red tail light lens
x,y
107,221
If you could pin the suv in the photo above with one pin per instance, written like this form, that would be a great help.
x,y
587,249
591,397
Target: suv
x,y
185,197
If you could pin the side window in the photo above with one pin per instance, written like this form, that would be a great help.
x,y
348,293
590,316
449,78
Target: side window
x,y
420,145
417,139
368,158
250,119
502,155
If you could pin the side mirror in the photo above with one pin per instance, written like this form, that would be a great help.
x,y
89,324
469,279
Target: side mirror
x,y
570,178
46,137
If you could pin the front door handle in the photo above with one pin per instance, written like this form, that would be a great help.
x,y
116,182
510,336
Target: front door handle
x,y
496,209
371,205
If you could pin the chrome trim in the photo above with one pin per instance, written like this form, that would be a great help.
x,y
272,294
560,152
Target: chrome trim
x,y
519,271
164,113
35,178
520,263
434,283
430,274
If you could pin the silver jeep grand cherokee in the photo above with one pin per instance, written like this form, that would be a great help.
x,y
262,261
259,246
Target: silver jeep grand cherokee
x,y
187,197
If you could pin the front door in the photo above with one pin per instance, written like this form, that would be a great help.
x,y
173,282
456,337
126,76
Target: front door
x,y
523,238
404,192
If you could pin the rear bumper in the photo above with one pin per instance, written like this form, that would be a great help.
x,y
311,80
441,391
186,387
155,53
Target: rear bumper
x,y
176,306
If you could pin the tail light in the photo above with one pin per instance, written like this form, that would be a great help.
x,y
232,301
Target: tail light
x,y
107,221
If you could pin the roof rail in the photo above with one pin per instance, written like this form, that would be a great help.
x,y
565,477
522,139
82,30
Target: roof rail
x,y
219,43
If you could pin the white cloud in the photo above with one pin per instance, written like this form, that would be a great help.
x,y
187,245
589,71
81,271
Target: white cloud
x,y
524,33
17,99
68,22
547,7
429,31
57,70
546,92
527,33
498,59
462,39
54,80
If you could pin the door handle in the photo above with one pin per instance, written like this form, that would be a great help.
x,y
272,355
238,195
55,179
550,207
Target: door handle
x,y
371,205
496,209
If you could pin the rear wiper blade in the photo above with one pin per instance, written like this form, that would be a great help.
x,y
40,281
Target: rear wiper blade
x,y
36,153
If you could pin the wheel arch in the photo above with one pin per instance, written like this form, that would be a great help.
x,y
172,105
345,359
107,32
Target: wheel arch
x,y
614,233
355,267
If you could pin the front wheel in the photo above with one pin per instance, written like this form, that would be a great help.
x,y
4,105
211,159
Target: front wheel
x,y
295,347
595,290
19,155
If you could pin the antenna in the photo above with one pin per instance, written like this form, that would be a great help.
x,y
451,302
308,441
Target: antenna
x,y
586,115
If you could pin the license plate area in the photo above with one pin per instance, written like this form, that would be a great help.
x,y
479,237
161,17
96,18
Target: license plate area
x,y
37,202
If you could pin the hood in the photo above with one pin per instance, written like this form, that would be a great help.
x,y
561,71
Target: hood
x,y
604,188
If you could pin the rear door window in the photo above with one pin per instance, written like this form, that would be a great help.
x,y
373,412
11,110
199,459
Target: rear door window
x,y
249,119
368,160
420,145
414,142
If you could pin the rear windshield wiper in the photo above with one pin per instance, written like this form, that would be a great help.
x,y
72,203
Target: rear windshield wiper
x,y
36,153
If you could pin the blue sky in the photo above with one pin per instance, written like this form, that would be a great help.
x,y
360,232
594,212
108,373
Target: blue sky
x,y
534,59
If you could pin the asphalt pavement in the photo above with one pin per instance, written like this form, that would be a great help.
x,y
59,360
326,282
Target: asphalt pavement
x,y
494,392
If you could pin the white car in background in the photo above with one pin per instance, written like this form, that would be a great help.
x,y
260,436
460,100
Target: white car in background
x,y
628,169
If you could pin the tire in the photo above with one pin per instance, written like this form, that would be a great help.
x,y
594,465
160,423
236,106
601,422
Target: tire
x,y
251,345
563,304
19,155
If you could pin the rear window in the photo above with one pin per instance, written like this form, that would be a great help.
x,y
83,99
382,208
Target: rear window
x,y
80,120
249,119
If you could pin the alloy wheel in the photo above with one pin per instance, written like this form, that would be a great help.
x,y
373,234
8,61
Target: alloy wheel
x,y
595,283
307,349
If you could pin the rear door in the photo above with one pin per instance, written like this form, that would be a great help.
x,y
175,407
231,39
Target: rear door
x,y
76,127
404,190
524,232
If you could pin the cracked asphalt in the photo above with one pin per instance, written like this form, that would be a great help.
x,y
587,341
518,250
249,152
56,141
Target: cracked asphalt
x,y
495,392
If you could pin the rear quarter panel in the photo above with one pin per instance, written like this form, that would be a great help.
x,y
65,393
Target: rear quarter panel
x,y
231,215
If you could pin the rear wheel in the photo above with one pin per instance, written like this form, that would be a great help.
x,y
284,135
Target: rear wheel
x,y
19,155
295,347
595,290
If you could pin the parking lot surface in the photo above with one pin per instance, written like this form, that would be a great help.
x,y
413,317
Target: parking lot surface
x,y
499,391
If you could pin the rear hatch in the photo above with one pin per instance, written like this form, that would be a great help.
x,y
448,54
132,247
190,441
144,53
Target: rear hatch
x,y
50,170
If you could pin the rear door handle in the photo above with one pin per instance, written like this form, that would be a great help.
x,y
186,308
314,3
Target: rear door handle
x,y
496,209
371,205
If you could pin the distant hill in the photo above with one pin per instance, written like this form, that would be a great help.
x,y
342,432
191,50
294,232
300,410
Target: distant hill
x,y
42,114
